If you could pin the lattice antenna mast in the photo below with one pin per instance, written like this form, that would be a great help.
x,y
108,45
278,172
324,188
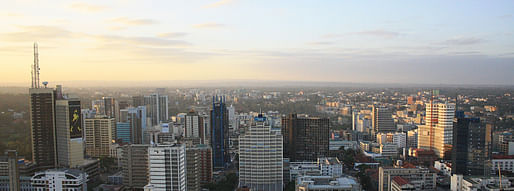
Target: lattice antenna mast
x,y
35,68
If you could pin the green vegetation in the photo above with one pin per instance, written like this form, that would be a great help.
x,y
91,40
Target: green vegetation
x,y
229,183
15,133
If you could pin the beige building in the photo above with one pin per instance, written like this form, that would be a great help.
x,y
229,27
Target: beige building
x,y
70,149
98,133
437,133
420,178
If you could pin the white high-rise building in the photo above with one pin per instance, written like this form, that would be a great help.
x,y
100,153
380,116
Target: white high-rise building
x,y
167,167
60,179
437,133
261,157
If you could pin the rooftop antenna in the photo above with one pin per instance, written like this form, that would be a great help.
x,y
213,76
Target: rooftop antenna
x,y
35,68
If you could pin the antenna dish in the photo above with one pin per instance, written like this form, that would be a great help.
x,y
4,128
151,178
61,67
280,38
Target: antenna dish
x,y
45,84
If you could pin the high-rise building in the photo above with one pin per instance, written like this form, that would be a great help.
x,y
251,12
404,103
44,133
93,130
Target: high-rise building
x,y
134,165
361,122
60,179
68,124
123,132
220,133
137,120
199,166
471,150
381,121
305,138
156,107
260,157
167,167
437,133
42,129
98,132
194,127
13,171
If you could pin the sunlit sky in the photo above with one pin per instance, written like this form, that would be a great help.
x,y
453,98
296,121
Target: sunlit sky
x,y
440,42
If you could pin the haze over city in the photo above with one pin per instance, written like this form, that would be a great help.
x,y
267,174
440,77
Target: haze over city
x,y
112,42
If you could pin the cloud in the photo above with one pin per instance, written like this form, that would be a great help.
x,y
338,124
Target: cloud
x,y
209,25
379,33
320,43
35,33
218,3
141,41
172,34
85,7
462,41
132,22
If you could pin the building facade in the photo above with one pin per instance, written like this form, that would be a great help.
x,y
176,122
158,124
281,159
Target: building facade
x,y
60,179
134,165
260,157
305,138
437,133
167,167
219,133
98,133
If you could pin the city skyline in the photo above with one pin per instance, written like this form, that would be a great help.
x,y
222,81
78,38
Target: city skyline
x,y
435,42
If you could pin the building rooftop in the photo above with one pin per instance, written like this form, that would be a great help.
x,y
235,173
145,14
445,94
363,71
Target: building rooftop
x,y
400,180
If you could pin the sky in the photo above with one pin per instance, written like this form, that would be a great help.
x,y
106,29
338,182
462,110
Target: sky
x,y
428,42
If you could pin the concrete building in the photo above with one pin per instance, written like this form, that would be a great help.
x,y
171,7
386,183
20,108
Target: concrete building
x,y
361,122
382,121
134,165
480,183
156,108
437,133
167,167
330,166
42,128
194,127
389,150
297,169
260,157
321,183
400,184
412,138
98,132
60,179
420,178
505,163
199,165
305,138
397,138
68,124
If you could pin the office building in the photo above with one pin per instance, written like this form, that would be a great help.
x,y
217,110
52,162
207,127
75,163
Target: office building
x,y
156,108
68,120
98,132
123,132
134,165
330,166
202,158
260,157
471,150
60,179
401,184
397,138
412,138
305,138
111,108
42,119
9,171
361,122
167,167
381,120
503,163
321,183
479,183
437,132
421,178
194,127
219,133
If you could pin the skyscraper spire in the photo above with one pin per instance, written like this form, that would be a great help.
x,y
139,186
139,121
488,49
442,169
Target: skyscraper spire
x,y
35,68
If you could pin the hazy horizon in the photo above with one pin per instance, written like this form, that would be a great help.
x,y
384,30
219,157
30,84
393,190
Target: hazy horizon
x,y
369,42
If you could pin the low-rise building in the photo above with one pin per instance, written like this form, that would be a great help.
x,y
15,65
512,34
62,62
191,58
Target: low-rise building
x,y
504,163
420,178
308,183
477,183
60,179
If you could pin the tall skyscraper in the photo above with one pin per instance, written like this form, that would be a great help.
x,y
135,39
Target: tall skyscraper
x,y
156,108
471,146
194,126
437,132
42,117
167,167
219,133
381,120
260,157
70,150
137,120
134,165
305,138
98,133
111,107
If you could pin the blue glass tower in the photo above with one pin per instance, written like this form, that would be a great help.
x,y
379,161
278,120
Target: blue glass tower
x,y
219,133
